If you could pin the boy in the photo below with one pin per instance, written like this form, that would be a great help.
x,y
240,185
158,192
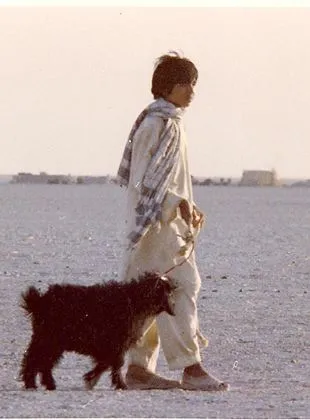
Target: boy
x,y
162,220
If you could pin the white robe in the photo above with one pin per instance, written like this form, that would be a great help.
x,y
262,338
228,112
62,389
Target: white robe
x,y
158,251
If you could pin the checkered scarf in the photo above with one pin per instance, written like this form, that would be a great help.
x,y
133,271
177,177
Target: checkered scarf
x,y
161,167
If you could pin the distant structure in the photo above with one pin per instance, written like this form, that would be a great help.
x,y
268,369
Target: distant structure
x,y
41,178
305,183
210,181
45,178
259,178
92,179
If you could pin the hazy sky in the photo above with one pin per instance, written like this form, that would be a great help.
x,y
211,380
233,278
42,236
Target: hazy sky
x,y
73,79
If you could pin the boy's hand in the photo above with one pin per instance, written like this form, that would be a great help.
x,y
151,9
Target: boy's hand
x,y
198,217
185,212
194,218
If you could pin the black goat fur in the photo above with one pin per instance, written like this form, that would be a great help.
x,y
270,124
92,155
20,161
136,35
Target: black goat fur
x,y
101,321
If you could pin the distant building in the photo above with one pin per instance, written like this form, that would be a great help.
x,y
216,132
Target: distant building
x,y
44,178
92,179
259,178
41,178
305,183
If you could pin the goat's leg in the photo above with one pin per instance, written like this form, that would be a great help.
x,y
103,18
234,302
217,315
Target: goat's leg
x,y
116,372
92,377
28,373
30,363
47,380
51,360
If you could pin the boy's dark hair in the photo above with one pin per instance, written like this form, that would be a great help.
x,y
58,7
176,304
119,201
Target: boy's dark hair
x,y
172,69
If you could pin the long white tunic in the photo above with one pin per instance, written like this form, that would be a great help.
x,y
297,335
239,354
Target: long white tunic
x,y
158,251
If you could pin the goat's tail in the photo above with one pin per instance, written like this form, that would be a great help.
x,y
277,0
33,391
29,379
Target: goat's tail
x,y
30,301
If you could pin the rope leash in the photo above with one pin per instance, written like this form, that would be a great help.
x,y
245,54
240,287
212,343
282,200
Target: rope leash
x,y
188,238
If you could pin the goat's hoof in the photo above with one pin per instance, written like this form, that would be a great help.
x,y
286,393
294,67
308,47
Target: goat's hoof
x,y
30,388
88,385
50,387
121,386
89,381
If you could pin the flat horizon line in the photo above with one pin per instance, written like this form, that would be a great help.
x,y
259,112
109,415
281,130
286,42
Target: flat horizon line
x,y
198,177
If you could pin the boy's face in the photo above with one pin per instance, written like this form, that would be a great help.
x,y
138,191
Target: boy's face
x,y
181,94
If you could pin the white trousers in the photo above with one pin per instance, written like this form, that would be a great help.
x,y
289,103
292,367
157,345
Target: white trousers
x,y
177,334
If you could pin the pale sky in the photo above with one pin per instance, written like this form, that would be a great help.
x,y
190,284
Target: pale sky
x,y
73,79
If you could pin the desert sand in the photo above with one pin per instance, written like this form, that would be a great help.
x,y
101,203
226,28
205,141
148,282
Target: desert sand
x,y
254,307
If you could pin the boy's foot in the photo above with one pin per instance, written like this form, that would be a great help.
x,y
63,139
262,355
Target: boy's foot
x,y
138,377
203,383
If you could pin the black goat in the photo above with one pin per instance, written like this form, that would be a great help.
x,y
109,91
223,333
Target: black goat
x,y
101,321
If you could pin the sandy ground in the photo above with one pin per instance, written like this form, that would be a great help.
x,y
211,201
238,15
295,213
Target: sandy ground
x,y
254,306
